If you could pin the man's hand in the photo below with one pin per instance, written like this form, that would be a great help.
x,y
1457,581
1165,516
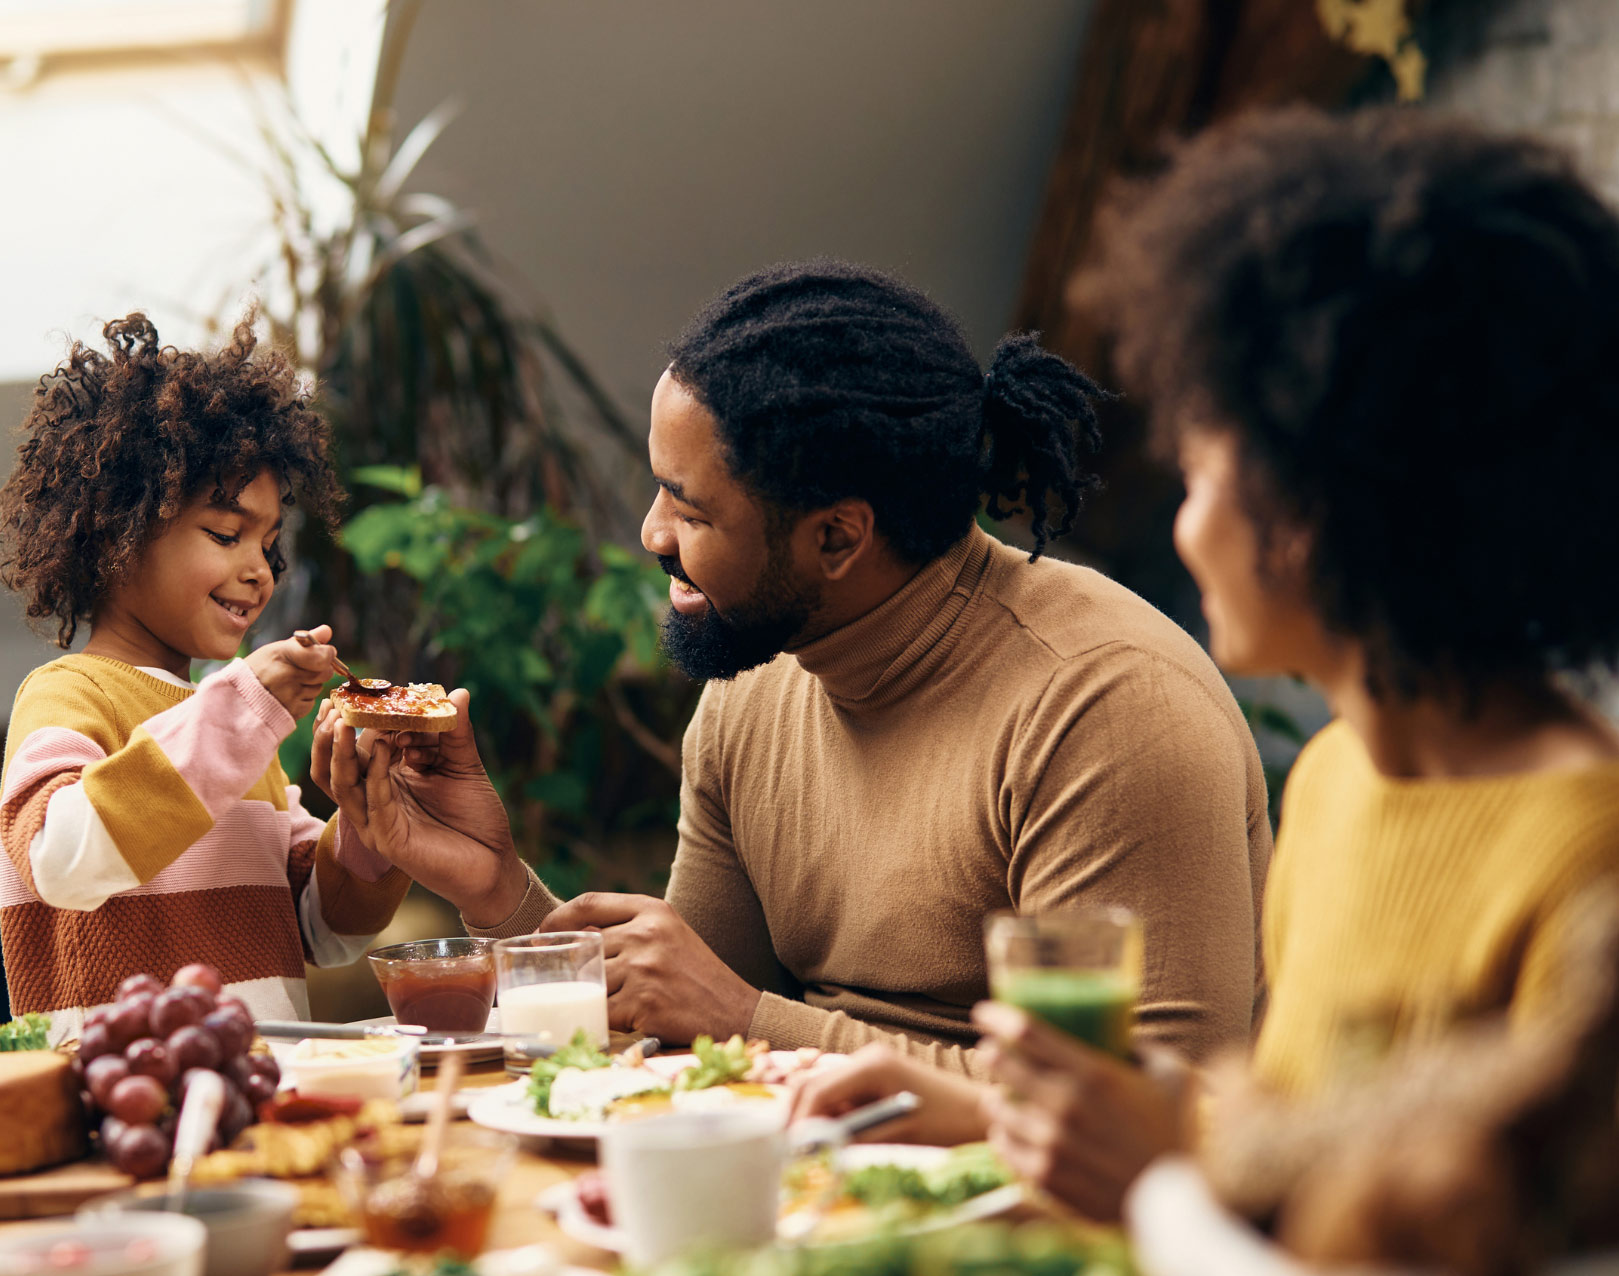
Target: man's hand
x,y
428,806
952,1107
661,978
294,674
1072,1120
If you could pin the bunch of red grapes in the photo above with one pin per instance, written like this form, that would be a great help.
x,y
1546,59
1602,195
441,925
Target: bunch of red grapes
x,y
137,1057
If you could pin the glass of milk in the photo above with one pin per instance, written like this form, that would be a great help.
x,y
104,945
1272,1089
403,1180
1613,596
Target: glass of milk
x,y
549,987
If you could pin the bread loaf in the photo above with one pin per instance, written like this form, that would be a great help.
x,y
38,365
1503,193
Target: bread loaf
x,y
40,1111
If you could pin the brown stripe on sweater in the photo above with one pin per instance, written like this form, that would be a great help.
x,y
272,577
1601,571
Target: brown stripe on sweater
x,y
349,904
24,816
79,958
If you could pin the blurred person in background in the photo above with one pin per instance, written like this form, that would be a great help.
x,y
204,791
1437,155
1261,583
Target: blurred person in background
x,y
907,724
1384,351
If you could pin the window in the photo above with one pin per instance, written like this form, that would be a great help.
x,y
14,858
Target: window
x,y
31,30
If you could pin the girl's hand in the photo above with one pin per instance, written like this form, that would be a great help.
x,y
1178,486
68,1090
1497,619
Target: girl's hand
x,y
295,674
1076,1122
951,1110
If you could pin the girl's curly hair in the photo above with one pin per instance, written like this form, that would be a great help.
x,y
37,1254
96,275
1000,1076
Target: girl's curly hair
x,y
115,447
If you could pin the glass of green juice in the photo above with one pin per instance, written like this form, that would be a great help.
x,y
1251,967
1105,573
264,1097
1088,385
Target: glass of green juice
x,y
1078,969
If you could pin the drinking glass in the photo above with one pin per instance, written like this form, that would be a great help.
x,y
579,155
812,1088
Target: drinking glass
x,y
443,985
1079,970
550,986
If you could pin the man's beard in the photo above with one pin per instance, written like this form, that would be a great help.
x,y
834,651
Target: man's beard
x,y
754,632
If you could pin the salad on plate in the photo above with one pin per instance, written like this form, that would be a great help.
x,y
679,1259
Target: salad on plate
x,y
579,1090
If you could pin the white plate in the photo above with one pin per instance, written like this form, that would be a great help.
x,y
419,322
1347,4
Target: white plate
x,y
310,1243
479,1049
562,1199
507,1107
530,1260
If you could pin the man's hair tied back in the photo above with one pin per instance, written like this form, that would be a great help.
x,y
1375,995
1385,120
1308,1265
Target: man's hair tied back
x,y
1039,411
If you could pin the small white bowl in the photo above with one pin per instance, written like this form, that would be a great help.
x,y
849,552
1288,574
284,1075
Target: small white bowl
x,y
109,1245
246,1223
372,1068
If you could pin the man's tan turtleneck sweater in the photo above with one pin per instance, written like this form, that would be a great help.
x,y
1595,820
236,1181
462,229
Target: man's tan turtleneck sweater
x,y
998,734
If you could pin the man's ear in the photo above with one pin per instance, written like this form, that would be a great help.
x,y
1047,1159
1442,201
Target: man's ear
x,y
845,534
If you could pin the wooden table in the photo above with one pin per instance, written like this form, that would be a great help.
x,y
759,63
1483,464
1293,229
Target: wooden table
x,y
539,1165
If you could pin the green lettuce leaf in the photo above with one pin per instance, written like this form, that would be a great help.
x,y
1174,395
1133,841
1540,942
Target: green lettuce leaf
x,y
578,1053
716,1064
30,1032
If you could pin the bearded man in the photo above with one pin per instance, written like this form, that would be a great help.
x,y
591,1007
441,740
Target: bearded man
x,y
907,724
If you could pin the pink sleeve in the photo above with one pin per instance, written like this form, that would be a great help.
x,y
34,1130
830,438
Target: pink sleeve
x,y
224,737
350,852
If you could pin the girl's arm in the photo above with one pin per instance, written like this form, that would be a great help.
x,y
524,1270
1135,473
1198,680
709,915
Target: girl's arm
x,y
345,892
83,817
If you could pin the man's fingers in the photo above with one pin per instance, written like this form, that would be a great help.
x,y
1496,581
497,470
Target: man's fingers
x,y
617,971
458,743
420,750
379,794
414,739
620,1013
347,777
320,749
597,908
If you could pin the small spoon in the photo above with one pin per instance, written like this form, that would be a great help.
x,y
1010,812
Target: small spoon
x,y
205,1096
449,1076
362,687
813,1133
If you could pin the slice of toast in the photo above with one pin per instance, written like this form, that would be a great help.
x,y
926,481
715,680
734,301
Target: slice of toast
x,y
417,706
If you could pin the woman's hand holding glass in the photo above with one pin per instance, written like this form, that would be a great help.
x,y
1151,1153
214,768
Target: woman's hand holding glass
x,y
1074,1121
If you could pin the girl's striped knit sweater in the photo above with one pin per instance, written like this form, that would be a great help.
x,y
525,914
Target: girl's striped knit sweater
x,y
148,824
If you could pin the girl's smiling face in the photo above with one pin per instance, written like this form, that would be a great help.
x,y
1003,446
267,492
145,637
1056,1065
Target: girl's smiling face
x,y
200,584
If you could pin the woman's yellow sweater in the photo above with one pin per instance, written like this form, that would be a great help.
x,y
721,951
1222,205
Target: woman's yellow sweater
x,y
1396,908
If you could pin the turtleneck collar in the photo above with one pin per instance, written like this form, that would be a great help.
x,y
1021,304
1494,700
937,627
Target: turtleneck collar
x,y
885,654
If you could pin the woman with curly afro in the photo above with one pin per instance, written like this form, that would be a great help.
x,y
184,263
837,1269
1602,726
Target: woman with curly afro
x,y
1384,351
146,821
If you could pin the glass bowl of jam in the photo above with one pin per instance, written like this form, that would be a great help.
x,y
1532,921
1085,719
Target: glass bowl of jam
x,y
443,985
400,1210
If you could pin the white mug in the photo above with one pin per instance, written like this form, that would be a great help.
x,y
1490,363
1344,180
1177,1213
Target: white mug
x,y
694,1180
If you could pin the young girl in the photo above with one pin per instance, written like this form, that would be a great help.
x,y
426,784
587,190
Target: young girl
x,y
147,822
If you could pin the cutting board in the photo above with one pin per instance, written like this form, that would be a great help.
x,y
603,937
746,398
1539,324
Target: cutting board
x,y
59,1190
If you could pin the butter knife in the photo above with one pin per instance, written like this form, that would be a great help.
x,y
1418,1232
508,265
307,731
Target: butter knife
x,y
296,1030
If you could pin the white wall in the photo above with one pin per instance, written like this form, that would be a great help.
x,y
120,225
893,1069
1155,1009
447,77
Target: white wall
x,y
21,649
631,159
1550,67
